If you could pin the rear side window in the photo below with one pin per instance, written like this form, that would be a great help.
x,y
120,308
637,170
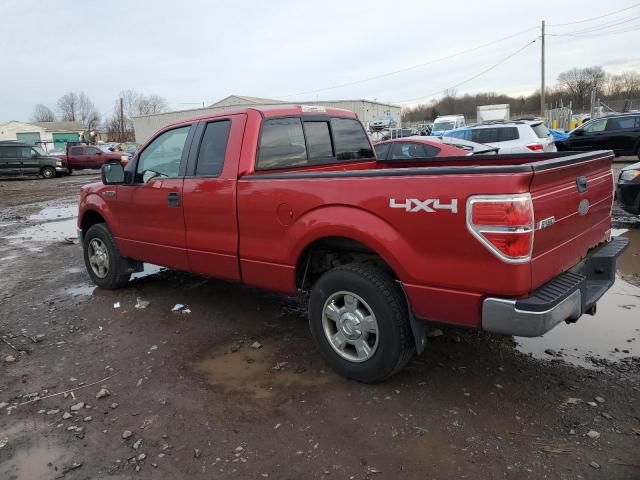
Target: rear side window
x,y
8,152
318,140
76,150
493,135
408,150
381,150
213,148
351,142
540,130
281,144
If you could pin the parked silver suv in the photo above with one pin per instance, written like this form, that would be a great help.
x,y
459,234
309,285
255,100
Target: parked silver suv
x,y
518,136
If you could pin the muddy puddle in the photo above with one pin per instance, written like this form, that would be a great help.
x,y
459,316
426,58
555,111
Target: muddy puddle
x,y
55,212
56,231
28,455
613,334
251,379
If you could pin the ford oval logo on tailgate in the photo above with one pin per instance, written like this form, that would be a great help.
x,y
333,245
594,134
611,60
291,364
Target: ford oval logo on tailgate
x,y
583,206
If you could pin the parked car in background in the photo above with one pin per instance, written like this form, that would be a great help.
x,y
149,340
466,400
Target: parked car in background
x,y
517,136
410,148
383,122
447,122
491,113
81,157
628,188
620,133
19,159
400,133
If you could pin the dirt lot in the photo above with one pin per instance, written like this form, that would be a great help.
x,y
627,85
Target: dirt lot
x,y
186,394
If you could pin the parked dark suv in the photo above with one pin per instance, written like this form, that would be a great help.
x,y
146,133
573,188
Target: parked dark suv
x,y
20,159
620,133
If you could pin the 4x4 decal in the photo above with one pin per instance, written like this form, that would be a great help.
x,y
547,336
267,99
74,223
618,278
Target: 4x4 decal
x,y
430,205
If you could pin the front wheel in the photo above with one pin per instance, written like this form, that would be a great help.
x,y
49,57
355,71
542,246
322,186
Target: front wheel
x,y
105,265
48,172
359,319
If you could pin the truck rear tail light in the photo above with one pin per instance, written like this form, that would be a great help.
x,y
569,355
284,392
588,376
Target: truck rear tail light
x,y
535,147
504,224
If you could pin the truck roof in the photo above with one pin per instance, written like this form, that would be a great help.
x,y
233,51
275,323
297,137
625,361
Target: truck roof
x,y
269,111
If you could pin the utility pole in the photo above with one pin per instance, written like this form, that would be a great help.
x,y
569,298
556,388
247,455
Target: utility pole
x,y
542,77
122,139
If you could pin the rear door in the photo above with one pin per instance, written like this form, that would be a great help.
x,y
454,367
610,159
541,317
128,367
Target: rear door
x,y
149,209
209,193
76,158
572,207
621,134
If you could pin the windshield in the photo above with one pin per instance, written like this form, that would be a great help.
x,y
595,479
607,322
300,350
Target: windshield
x,y
444,125
40,151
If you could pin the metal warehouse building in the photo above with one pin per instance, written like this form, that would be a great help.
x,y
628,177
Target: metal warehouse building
x,y
366,110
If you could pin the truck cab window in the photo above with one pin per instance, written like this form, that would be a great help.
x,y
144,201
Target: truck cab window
x,y
75,151
351,141
318,141
281,144
213,148
162,156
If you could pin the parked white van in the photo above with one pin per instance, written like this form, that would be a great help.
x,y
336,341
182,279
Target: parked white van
x,y
447,122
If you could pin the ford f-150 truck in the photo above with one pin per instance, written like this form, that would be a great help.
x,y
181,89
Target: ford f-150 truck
x,y
292,198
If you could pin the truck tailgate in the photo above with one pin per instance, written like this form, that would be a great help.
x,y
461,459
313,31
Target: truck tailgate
x,y
572,208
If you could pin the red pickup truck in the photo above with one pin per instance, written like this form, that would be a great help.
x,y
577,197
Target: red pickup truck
x,y
80,157
292,198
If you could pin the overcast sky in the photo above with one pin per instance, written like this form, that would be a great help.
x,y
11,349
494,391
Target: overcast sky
x,y
194,51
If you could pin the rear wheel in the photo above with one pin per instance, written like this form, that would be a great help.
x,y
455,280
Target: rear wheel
x,y
106,267
48,172
359,319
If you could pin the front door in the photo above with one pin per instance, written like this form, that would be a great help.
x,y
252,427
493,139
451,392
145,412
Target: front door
x,y
592,138
149,210
77,158
210,198
95,158
30,161
622,134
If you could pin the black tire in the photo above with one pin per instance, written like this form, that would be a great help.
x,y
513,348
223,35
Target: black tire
x,y
48,172
394,345
116,275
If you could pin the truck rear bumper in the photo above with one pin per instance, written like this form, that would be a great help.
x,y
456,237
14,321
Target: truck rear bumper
x,y
565,298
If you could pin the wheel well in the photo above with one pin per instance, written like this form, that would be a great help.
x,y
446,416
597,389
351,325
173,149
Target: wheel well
x,y
90,218
326,253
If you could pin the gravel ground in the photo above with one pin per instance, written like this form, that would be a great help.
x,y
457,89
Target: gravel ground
x,y
114,384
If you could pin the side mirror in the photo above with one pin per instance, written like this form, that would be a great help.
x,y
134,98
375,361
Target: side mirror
x,y
578,132
98,152
34,155
112,173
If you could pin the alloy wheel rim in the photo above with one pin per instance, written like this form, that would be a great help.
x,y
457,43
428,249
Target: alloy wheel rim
x,y
350,326
98,258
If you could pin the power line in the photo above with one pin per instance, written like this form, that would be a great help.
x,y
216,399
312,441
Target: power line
x,y
495,65
594,18
604,26
413,67
603,34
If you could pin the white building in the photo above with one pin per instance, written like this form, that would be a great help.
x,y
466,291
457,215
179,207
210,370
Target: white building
x,y
367,111
48,134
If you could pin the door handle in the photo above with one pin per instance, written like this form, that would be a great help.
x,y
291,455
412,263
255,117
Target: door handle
x,y
173,199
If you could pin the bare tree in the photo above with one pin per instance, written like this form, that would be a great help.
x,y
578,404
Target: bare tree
x,y
579,82
42,113
68,107
87,113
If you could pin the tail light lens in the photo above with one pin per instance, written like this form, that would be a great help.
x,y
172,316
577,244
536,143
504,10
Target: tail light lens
x,y
504,224
535,147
